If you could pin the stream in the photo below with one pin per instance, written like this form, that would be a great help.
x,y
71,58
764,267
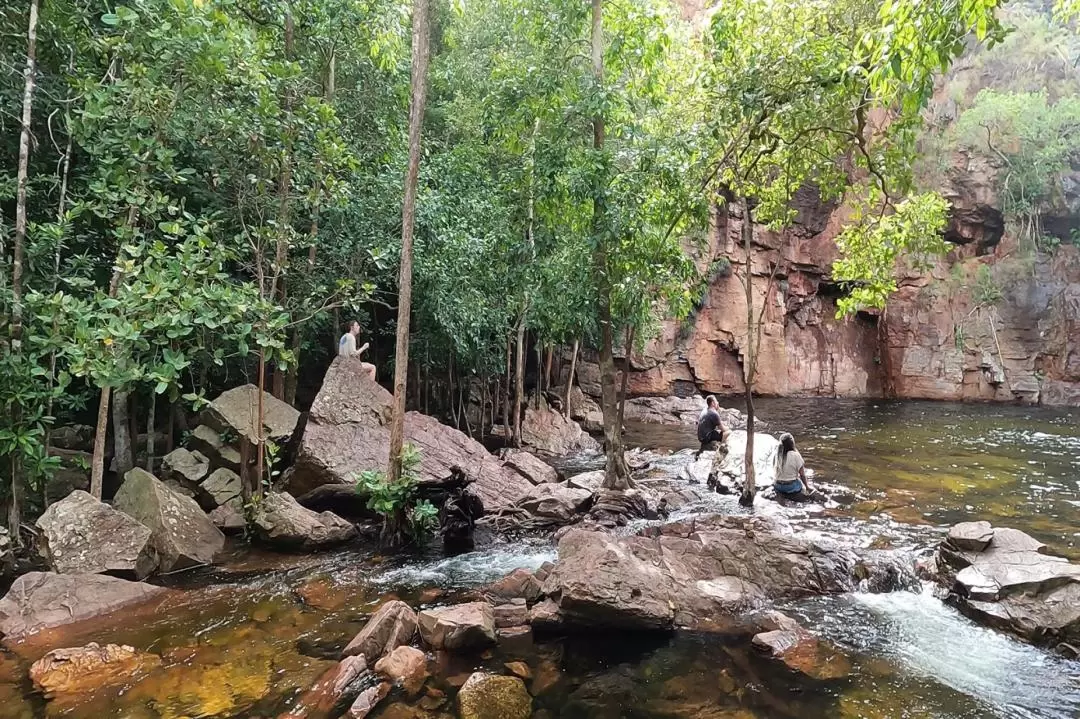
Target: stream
x,y
243,639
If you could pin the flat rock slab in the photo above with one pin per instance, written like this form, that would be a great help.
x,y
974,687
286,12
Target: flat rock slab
x,y
971,536
181,533
221,487
559,503
43,600
529,466
81,535
459,628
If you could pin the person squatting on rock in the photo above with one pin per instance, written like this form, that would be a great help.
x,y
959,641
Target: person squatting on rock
x,y
347,348
712,434
791,482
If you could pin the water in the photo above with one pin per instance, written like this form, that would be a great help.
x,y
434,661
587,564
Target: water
x,y
244,639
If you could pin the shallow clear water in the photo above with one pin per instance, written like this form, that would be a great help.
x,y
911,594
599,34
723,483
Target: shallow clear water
x,y
243,640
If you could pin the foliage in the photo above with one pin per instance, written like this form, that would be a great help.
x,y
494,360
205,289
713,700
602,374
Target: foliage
x,y
393,499
986,291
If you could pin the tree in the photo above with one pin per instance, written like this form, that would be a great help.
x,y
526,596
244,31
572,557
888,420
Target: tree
x,y
420,50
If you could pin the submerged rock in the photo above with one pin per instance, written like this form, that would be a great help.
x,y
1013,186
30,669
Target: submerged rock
x,y
459,628
82,670
493,696
43,600
81,535
393,625
1009,583
550,431
280,521
802,651
182,535
348,431
690,572
335,690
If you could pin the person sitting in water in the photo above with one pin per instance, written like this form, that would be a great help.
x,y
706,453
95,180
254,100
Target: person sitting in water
x,y
791,481
347,348
710,426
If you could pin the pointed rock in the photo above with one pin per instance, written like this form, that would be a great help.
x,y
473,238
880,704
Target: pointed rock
x,y
81,535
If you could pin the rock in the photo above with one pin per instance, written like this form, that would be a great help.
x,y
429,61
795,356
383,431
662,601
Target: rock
x,y
803,652
393,625
184,467
221,487
208,441
491,696
229,518
80,535
43,600
406,667
732,465
236,411
461,627
529,466
546,616
689,573
559,503
549,431
512,614
348,432
73,473
181,534
1011,584
83,670
336,689
368,700
341,499
281,522
519,669
971,536
78,437
520,583
591,481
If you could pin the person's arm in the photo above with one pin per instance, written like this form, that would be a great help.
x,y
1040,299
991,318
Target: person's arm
x,y
802,475
362,349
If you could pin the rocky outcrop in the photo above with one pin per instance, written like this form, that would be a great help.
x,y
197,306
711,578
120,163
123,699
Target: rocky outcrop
x,y
81,670
1003,578
81,535
281,522
547,430
462,627
678,411
348,431
236,412
393,625
493,696
181,534
43,600
529,466
690,573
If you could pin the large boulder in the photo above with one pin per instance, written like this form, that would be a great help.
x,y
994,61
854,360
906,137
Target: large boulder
x,y
529,466
81,670
348,431
459,628
182,534
1003,578
393,625
548,430
679,410
236,411
557,503
687,574
732,465
81,535
280,521
494,696
43,600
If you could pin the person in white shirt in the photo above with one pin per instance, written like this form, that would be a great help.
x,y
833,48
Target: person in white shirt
x,y
791,481
347,348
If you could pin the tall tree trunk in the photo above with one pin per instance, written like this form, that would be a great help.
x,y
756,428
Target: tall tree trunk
x,y
150,432
630,331
548,359
570,375
749,359
519,380
23,174
539,376
617,474
123,455
418,82
279,282
506,396
260,441
101,428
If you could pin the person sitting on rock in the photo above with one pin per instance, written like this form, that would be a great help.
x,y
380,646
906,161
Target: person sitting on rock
x,y
791,482
710,426
347,348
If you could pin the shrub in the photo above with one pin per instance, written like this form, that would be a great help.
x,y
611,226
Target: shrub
x,y
404,516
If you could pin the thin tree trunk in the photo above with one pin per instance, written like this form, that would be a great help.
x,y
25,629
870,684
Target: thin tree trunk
x,y
617,474
260,441
170,429
548,359
570,375
506,397
97,462
418,87
519,380
247,490
749,360
122,440
150,433
23,173
626,373
539,375
279,281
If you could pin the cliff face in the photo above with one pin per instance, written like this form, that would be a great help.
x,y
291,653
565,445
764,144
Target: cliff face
x,y
990,321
